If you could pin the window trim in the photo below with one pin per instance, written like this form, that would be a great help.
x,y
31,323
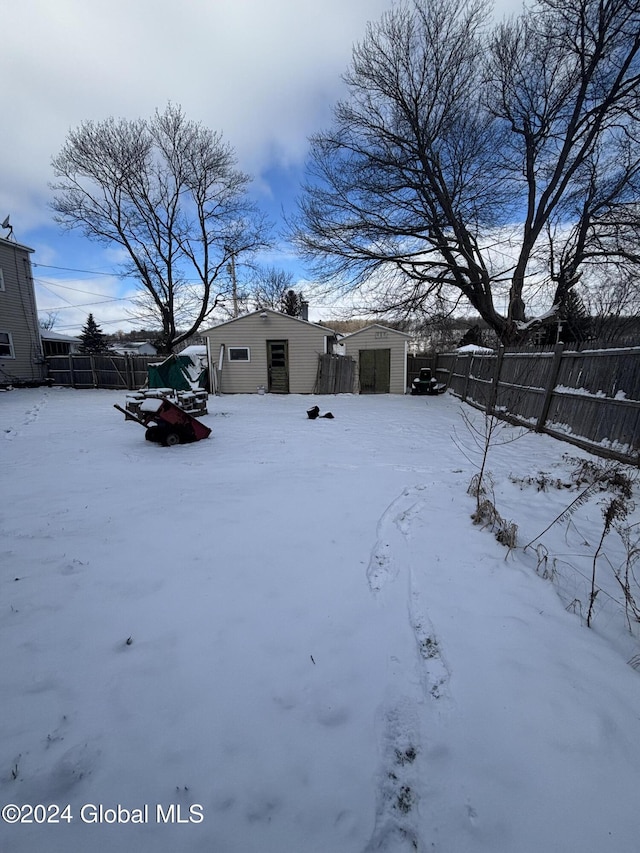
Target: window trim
x,y
12,351
238,360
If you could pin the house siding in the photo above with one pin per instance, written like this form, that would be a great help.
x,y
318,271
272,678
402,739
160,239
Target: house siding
x,y
306,342
19,316
380,337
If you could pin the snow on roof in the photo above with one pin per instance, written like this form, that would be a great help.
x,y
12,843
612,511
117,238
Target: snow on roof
x,y
48,335
473,348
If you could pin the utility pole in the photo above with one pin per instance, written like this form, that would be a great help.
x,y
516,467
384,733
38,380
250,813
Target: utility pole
x,y
234,284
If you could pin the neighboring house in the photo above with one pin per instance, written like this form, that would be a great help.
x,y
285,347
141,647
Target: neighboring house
x,y
380,355
134,348
53,343
266,349
21,357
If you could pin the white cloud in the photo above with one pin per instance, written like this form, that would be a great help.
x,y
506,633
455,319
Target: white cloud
x,y
265,74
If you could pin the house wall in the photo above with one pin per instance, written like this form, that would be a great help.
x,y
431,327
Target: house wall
x,y
19,316
305,343
379,337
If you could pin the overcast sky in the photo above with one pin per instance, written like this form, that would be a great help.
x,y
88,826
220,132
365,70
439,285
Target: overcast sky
x,y
265,73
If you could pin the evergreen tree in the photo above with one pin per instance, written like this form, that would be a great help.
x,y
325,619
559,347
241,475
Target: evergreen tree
x,y
92,338
291,303
576,322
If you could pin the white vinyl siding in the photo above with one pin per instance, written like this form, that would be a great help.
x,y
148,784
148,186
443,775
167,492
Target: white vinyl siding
x,y
380,337
305,342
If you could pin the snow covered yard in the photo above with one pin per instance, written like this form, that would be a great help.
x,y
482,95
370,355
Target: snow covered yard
x,y
293,632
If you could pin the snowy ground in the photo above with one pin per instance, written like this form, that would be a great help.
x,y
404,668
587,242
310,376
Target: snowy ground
x,y
293,631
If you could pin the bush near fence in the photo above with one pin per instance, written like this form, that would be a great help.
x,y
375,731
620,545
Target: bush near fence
x,y
588,397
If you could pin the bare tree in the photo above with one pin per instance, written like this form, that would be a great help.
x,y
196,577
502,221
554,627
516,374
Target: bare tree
x,y
269,286
47,323
492,162
613,300
167,192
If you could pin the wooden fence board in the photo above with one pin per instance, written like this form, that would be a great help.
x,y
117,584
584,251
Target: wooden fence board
x,y
590,397
335,374
100,371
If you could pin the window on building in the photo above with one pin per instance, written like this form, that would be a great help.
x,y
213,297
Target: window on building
x,y
6,345
1,279
55,347
239,354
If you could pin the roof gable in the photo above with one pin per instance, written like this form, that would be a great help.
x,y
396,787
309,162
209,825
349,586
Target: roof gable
x,y
277,314
375,326
13,245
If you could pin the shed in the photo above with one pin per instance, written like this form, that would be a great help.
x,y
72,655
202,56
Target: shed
x,y
266,349
380,354
54,343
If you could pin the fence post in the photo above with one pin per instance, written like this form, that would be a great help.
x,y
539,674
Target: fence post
x,y
493,394
94,374
554,370
128,371
436,362
72,377
465,387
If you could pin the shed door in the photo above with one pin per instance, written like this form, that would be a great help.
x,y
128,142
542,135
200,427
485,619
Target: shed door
x,y
278,366
375,371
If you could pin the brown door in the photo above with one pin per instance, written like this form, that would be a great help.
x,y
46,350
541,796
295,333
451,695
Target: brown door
x,y
278,366
375,371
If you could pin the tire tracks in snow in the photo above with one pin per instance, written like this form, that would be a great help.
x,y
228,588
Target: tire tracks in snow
x,y
403,718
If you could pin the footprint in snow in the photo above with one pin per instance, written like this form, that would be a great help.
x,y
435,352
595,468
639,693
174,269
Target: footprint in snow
x,y
396,822
393,529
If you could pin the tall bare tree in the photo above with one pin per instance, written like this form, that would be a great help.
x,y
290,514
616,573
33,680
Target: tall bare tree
x,y
269,286
613,301
496,162
167,191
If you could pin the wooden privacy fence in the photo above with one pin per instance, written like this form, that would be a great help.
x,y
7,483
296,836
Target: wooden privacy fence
x,y
335,374
100,371
590,397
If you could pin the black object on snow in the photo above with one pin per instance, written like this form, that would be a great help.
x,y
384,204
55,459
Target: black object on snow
x,y
314,413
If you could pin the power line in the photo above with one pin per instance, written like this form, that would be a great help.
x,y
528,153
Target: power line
x,y
133,320
46,284
82,304
87,272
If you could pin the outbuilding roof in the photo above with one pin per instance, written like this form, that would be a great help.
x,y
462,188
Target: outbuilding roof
x,y
278,314
375,326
